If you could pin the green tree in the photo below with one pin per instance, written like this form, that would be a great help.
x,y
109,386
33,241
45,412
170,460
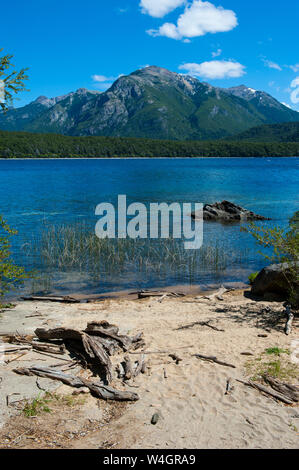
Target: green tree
x,y
11,81
11,275
282,246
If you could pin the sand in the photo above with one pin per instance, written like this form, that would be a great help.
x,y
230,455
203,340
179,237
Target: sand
x,y
189,397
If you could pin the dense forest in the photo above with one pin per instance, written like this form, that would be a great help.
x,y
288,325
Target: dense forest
x,y
285,132
27,145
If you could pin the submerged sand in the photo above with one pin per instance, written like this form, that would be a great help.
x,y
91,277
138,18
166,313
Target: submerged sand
x,y
189,397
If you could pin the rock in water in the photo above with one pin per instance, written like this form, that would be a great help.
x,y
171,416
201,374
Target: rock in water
x,y
276,278
226,211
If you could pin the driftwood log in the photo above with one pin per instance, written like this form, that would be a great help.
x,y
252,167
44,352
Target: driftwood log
x,y
99,389
266,390
58,333
95,349
92,346
148,294
104,329
98,342
64,299
288,327
290,391
213,359
17,340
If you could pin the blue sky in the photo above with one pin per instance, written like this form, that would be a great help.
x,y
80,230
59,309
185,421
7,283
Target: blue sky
x,y
69,44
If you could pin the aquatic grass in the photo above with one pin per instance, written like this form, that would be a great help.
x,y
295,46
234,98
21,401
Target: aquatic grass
x,y
68,248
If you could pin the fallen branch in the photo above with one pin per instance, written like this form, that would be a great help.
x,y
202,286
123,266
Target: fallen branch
x,y
201,323
14,338
162,298
214,359
7,348
53,349
50,355
229,387
160,352
128,368
176,358
100,390
16,358
140,366
216,295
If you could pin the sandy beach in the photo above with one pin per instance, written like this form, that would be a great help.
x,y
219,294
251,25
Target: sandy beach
x,y
189,398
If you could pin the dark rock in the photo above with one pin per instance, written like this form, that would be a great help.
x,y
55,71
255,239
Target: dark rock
x,y
226,211
155,418
274,279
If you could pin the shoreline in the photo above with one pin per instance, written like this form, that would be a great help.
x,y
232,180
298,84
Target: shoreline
x,y
144,158
132,293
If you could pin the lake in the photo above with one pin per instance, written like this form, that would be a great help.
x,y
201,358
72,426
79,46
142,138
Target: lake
x,y
37,195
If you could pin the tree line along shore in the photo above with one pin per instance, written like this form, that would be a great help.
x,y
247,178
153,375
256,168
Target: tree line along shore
x,y
28,145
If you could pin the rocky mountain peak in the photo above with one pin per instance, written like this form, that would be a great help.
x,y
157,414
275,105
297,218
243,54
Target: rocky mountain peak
x,y
243,91
44,101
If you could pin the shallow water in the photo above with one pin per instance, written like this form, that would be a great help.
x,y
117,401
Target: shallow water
x,y
37,193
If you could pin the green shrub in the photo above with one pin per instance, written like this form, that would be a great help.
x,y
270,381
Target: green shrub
x,y
11,275
252,277
281,246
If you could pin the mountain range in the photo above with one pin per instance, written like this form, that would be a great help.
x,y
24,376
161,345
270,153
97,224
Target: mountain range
x,y
151,103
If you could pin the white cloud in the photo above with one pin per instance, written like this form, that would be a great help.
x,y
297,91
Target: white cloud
x,y
121,11
101,82
295,68
167,29
215,69
295,93
272,65
102,78
198,19
217,53
160,8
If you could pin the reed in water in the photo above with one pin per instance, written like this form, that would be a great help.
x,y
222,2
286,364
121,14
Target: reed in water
x,y
76,248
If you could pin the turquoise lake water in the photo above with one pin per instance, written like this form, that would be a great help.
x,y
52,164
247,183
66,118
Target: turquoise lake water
x,y
36,194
